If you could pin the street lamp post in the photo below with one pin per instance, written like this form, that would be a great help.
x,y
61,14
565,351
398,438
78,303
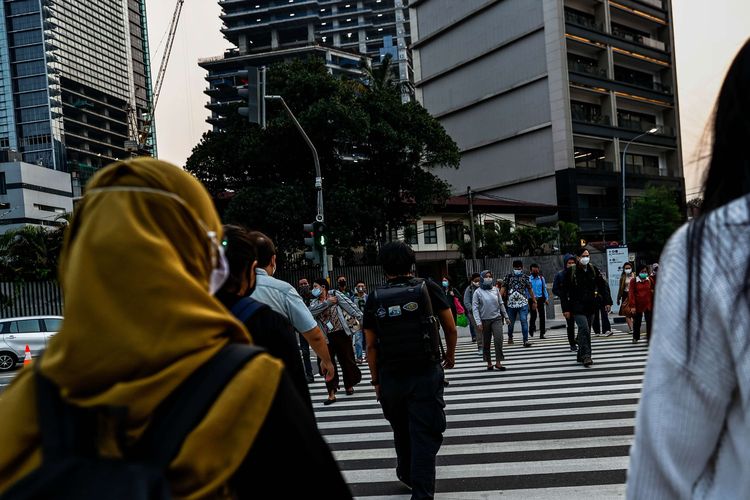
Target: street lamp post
x,y
622,167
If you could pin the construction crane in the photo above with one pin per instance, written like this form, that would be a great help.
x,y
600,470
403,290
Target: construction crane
x,y
139,134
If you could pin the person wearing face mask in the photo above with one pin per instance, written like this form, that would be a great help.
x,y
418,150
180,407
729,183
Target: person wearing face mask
x,y
517,289
144,246
539,285
284,299
473,285
269,329
453,297
569,261
330,310
582,285
641,302
342,287
489,314
623,294
360,299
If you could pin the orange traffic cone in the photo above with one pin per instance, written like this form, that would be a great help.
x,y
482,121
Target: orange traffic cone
x,y
27,358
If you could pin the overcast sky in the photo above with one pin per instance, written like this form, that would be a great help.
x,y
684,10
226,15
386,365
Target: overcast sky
x,y
707,38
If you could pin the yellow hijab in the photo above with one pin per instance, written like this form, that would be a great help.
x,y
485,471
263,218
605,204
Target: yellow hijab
x,y
135,271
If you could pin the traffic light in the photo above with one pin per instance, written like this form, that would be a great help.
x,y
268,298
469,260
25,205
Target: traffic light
x,y
313,254
319,230
252,93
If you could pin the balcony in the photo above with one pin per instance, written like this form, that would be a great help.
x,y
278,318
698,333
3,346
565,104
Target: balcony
x,y
640,126
583,21
633,37
592,119
654,86
587,69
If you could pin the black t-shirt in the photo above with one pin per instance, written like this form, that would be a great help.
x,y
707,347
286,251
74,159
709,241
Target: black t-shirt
x,y
437,296
275,333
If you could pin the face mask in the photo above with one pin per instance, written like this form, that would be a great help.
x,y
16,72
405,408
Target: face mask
x,y
316,292
342,283
220,272
475,283
628,271
643,276
360,289
535,273
585,260
304,289
445,284
518,272
572,265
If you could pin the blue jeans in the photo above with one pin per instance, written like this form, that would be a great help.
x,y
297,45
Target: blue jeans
x,y
358,344
523,312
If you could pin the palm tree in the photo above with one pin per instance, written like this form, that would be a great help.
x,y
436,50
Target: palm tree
x,y
382,76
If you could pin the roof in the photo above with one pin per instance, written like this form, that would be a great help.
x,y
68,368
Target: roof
x,y
460,204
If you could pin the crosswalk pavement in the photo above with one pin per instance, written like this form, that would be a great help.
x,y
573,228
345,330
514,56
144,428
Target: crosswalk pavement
x,y
545,428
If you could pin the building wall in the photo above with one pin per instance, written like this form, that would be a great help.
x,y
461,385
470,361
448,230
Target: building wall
x,y
33,195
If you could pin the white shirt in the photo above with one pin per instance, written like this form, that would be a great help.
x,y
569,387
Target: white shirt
x,y
692,435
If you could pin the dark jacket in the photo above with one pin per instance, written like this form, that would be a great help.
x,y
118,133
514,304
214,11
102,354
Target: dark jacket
x,y
558,283
583,290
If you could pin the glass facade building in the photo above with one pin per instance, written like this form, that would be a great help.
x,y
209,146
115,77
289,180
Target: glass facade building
x,y
75,81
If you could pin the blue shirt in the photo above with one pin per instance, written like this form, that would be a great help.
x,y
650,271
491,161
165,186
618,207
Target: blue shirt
x,y
539,286
284,299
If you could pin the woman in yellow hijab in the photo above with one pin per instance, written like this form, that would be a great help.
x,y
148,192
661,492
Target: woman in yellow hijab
x,y
140,263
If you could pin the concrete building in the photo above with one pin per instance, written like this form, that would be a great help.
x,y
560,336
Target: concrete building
x,y
542,97
340,31
70,72
32,195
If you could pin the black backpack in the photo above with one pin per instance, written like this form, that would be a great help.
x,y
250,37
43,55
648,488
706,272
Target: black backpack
x,y
407,330
71,466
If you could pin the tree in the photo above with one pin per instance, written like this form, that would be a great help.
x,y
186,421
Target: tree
x,y
533,240
30,253
376,153
652,220
570,236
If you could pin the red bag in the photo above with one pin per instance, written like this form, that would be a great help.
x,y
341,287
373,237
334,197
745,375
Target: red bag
x,y
459,308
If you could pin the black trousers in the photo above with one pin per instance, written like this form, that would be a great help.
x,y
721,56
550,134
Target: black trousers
x,y
539,311
304,346
570,323
600,321
413,404
637,320
289,458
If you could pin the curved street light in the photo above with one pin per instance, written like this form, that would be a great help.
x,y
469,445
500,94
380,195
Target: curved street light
x,y
622,167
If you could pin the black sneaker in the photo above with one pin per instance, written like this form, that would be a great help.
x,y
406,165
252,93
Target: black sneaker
x,y
587,361
574,348
542,336
527,344
310,379
403,480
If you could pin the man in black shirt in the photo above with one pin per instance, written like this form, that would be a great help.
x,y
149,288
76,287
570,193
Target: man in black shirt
x,y
410,387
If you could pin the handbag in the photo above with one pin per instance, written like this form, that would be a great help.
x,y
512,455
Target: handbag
x,y
351,322
462,320
459,308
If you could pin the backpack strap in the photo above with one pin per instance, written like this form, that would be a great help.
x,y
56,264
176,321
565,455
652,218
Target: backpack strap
x,y
178,415
245,308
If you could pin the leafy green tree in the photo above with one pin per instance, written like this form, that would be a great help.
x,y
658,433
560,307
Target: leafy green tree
x,y
377,155
652,220
569,237
533,240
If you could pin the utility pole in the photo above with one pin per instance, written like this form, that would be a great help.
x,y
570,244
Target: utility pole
x,y
318,177
471,223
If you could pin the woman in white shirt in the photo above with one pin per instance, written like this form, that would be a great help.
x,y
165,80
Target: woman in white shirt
x,y
693,425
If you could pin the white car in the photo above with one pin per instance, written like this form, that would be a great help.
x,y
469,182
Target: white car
x,y
17,333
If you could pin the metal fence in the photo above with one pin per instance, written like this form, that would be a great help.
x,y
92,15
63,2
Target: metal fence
x,y
549,265
371,275
30,299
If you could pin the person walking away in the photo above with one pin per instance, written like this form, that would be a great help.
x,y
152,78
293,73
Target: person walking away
x,y
517,287
600,321
641,302
359,299
331,310
693,422
623,294
303,288
569,260
489,314
151,229
473,285
581,285
284,299
539,286
401,326
268,328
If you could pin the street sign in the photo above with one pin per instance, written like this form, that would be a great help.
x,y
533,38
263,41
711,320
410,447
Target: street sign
x,y
616,258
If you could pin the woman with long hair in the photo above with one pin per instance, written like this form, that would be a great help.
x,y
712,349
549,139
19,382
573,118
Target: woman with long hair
x,y
623,294
693,423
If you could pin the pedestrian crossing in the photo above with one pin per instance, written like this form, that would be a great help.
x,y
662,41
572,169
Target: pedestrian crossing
x,y
545,428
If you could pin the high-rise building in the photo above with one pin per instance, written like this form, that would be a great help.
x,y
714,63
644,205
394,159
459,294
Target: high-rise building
x,y
74,80
544,96
339,31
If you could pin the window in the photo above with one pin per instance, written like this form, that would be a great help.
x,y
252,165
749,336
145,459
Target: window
x,y
589,158
3,187
585,112
454,233
636,121
393,234
430,233
52,324
642,164
48,208
25,326
410,234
